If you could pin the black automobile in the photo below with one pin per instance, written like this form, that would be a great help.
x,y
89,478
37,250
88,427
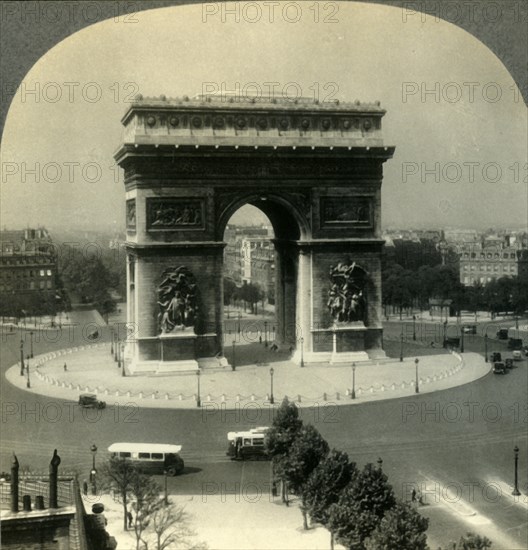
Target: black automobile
x,y
499,368
495,356
90,401
502,334
508,363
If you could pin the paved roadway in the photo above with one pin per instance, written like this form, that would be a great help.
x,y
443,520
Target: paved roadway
x,y
455,445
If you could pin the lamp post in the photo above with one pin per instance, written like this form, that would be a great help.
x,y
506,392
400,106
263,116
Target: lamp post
x,y
115,347
414,327
266,334
239,322
28,383
122,352
445,330
353,394
462,340
21,357
416,387
118,353
112,342
166,494
486,348
233,365
93,473
516,492
401,345
272,400
31,343
198,400
302,351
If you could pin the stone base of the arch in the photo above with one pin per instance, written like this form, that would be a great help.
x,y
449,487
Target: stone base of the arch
x,y
342,345
171,354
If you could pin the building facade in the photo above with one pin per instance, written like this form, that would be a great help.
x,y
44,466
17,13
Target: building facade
x,y
491,258
28,272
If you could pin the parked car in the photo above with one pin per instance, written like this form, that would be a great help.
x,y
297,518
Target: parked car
x,y
517,355
470,329
495,356
499,368
508,363
90,401
502,334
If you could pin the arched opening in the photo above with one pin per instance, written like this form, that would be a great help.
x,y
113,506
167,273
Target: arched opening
x,y
260,273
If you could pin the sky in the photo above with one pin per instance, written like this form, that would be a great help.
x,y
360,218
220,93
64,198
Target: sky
x,y
461,149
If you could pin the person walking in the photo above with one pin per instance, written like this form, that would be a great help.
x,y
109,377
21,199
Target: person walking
x,y
65,367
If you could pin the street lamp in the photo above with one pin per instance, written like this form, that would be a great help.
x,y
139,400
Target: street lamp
x,y
233,366
266,334
112,342
302,352
516,492
414,327
31,343
271,380
401,345
239,322
115,347
198,400
445,330
416,388
93,473
21,357
462,340
353,394
122,354
28,383
486,348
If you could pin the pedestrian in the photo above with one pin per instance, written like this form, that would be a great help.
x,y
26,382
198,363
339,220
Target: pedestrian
x,y
260,339
130,518
85,487
65,367
413,495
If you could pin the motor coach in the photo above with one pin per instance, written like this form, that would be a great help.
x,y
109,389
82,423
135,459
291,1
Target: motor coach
x,y
247,445
150,458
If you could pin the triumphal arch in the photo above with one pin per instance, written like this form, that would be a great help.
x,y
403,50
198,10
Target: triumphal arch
x,y
315,169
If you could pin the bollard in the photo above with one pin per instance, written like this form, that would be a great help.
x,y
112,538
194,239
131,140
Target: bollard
x,y
180,397
140,395
39,502
252,397
129,394
208,397
166,396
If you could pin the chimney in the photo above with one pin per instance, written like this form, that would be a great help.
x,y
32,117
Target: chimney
x,y
53,470
26,503
14,484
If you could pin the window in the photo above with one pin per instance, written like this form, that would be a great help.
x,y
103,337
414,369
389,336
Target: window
x,y
125,455
258,442
48,284
246,441
144,455
42,273
49,272
41,285
157,456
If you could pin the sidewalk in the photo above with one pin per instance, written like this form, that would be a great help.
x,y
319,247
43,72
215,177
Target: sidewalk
x,y
92,369
230,522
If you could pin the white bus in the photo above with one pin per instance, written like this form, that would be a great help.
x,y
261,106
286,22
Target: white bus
x,y
150,458
248,444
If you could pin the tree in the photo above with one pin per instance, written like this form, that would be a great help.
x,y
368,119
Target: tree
x,y
471,541
146,493
305,454
118,474
401,527
170,527
230,289
323,487
361,507
283,431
